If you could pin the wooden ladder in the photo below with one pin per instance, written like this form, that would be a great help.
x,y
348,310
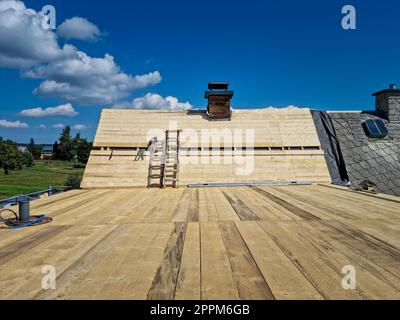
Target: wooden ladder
x,y
156,163
171,159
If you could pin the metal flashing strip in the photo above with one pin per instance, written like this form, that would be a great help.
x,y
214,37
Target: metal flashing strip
x,y
246,184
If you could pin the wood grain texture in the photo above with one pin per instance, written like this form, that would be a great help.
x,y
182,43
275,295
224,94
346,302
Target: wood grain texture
x,y
166,277
248,278
269,242
284,136
188,286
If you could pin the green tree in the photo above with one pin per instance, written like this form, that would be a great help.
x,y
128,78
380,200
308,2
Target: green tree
x,y
28,159
35,150
11,158
66,150
56,151
82,149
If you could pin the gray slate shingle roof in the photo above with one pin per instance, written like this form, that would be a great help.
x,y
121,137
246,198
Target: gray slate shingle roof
x,y
377,160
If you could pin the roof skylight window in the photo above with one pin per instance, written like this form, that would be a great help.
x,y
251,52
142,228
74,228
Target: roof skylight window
x,y
375,128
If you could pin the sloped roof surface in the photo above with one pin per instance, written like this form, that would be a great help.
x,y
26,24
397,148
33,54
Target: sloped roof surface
x,y
290,148
374,159
272,127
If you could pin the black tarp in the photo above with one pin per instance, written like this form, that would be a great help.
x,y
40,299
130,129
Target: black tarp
x,y
330,145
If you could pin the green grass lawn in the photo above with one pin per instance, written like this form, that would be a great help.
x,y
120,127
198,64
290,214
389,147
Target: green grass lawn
x,y
39,177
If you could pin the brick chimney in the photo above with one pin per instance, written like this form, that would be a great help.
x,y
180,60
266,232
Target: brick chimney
x,y
219,101
388,103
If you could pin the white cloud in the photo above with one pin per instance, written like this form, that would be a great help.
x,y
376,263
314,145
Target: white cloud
x,y
280,108
23,41
41,126
80,127
13,125
74,127
154,101
88,81
80,29
58,126
67,73
65,110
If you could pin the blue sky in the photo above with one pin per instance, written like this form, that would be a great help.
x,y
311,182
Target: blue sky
x,y
274,53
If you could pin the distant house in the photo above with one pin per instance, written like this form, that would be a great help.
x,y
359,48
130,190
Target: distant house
x,y
47,152
23,148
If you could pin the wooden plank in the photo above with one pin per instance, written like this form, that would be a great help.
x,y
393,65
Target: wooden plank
x,y
248,278
24,276
383,208
223,207
285,280
171,203
121,267
154,200
207,208
321,271
181,211
85,214
164,206
385,229
68,280
57,198
368,194
166,277
240,208
262,206
189,280
193,213
76,205
133,277
377,276
379,251
32,240
304,197
119,212
287,205
217,281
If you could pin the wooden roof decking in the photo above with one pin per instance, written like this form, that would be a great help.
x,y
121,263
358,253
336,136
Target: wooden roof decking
x,y
290,147
286,242
121,169
272,127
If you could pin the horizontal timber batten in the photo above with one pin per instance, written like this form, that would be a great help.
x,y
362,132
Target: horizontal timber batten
x,y
285,147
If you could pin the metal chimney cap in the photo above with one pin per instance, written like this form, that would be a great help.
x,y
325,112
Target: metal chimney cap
x,y
392,86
